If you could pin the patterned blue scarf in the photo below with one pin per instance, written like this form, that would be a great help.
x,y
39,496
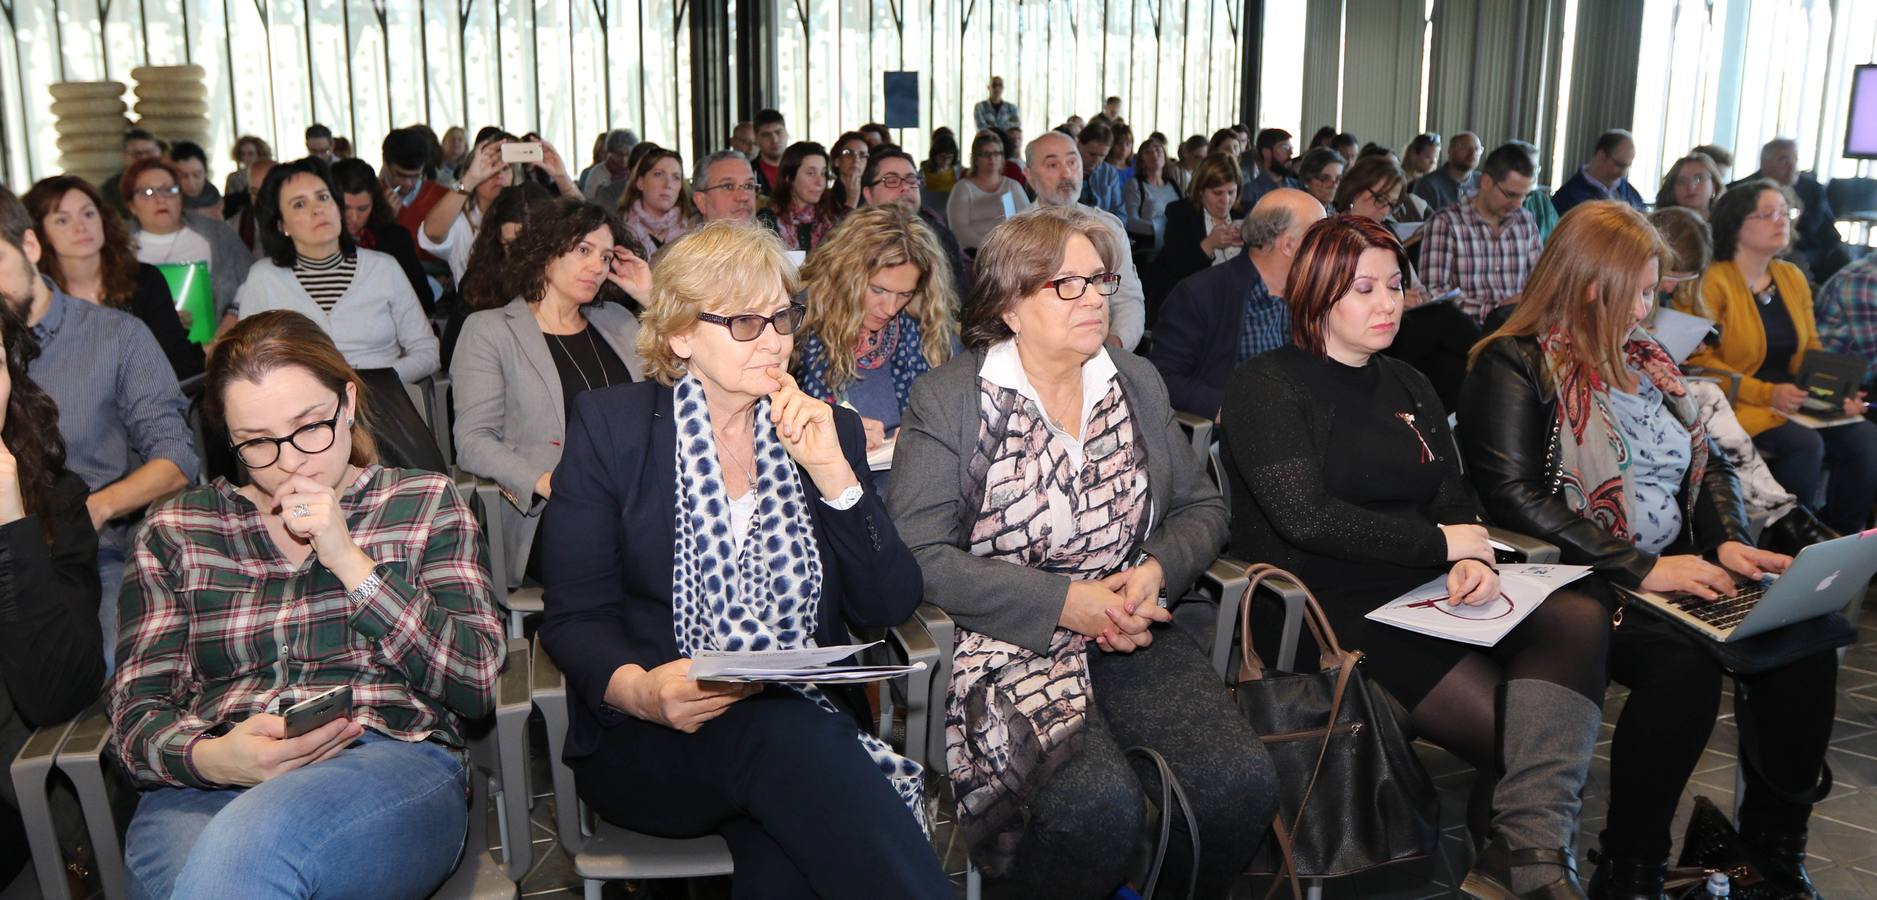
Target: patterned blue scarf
x,y
908,363
766,594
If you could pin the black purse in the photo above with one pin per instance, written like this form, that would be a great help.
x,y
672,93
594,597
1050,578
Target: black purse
x,y
1332,730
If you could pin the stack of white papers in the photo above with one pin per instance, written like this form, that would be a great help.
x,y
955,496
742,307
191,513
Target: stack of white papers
x,y
804,665
1522,587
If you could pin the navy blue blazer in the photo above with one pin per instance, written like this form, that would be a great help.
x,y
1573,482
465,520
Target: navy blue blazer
x,y
1196,339
607,550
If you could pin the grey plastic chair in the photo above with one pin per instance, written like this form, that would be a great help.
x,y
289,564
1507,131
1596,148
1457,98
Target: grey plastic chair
x,y
605,852
31,771
496,758
485,500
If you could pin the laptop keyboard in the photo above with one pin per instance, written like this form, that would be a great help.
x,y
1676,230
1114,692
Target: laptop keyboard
x,y
1726,612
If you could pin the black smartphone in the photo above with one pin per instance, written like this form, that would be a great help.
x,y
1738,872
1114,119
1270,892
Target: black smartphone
x,y
315,711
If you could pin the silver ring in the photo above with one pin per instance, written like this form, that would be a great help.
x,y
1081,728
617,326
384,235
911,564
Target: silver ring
x,y
300,511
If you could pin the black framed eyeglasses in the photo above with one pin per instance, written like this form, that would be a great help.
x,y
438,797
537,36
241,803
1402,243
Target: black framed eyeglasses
x,y
1072,287
895,182
749,326
317,437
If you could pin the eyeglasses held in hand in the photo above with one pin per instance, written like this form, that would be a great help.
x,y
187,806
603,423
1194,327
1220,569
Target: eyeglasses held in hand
x,y
148,193
749,326
1072,287
318,437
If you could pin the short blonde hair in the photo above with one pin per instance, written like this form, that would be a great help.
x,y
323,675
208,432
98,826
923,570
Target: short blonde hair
x,y
720,267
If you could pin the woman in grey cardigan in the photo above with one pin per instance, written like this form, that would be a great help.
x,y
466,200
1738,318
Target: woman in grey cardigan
x,y
517,369
359,297
1053,505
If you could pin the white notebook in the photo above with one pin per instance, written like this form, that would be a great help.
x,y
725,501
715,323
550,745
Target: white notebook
x,y
1522,587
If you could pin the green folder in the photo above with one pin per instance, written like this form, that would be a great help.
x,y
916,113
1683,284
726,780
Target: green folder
x,y
189,285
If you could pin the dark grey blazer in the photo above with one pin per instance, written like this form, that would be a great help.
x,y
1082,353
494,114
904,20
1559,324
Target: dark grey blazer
x,y
932,478
511,412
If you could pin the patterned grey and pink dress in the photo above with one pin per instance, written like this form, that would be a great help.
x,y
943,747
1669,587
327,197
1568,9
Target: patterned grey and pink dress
x,y
1013,715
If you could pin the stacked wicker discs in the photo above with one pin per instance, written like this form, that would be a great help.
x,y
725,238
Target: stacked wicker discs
x,y
91,126
173,103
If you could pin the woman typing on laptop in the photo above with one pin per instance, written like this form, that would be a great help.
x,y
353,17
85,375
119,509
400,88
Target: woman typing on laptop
x,y
1578,430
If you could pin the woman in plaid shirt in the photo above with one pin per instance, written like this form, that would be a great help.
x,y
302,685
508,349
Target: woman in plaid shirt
x,y
239,602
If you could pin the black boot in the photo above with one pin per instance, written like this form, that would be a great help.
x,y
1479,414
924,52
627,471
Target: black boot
x,y
1618,878
1780,857
1795,531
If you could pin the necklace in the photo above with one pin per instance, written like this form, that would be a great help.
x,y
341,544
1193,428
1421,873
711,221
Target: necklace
x,y
560,341
724,446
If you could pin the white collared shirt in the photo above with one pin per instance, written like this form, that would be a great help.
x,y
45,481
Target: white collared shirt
x,y
1004,368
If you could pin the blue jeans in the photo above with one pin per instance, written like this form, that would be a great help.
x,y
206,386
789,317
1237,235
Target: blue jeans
x,y
385,818
1800,457
113,550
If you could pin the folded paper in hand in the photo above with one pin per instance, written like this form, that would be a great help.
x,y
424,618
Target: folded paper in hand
x,y
1522,587
803,665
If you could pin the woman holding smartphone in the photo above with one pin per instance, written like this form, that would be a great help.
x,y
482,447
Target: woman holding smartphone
x,y
327,569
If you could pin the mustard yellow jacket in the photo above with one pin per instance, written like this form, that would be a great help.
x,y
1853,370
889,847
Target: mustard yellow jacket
x,y
1743,339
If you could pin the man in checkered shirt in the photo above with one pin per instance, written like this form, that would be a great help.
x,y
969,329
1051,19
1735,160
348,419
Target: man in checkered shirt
x,y
1486,245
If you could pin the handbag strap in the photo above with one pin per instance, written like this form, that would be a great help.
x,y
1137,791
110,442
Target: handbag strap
x,y
1288,864
1345,671
1250,665
1170,791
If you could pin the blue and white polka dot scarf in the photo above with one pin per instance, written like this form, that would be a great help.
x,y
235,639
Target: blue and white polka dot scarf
x,y
765,597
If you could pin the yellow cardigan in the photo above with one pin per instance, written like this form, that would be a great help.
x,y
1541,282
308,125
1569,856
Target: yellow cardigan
x,y
1743,337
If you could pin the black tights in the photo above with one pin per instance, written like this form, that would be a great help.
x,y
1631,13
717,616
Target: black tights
x,y
1563,642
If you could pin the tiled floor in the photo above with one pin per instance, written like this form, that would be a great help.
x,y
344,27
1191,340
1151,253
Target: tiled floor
x,y
1844,826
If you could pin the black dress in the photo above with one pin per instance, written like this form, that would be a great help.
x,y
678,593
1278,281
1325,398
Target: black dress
x,y
51,661
1331,480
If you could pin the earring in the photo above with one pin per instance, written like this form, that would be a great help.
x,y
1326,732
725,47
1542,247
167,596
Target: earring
x,y
349,420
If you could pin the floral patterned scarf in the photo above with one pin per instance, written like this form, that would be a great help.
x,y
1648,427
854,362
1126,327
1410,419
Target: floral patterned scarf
x,y
1594,459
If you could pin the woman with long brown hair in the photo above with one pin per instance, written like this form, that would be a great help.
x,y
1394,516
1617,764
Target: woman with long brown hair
x,y
656,204
1579,431
1342,470
380,573
90,257
802,209
50,659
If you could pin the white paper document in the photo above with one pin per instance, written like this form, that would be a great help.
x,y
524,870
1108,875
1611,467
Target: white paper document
x,y
806,664
1522,587
880,459
1679,333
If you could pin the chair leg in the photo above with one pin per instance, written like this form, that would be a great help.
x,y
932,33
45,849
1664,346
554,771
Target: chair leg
x,y
974,882
593,888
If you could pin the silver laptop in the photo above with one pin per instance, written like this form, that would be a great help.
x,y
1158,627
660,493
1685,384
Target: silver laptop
x,y
1823,578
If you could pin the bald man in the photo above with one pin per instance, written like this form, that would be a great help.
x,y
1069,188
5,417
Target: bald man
x,y
1054,166
1222,315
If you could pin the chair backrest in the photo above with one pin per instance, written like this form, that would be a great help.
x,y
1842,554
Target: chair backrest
x,y
1215,468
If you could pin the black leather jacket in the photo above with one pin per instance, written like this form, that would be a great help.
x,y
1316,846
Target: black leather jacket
x,y
1509,433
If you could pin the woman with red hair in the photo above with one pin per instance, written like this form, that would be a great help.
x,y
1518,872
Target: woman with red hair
x,y
1343,471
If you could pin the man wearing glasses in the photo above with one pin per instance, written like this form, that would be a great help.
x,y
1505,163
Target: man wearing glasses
x,y
1054,165
724,187
1605,177
120,409
891,177
138,144
1486,245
